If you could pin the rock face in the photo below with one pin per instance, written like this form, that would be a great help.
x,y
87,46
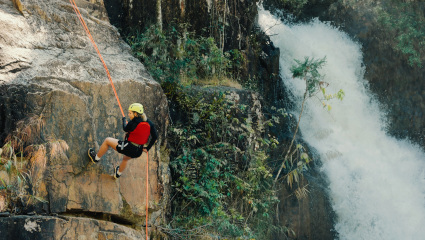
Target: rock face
x,y
42,227
49,69
311,217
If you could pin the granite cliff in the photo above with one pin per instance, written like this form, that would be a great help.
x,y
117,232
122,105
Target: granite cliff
x,y
50,71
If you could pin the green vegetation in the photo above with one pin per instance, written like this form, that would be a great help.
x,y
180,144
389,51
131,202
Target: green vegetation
x,y
181,56
221,154
406,21
294,7
220,151
222,183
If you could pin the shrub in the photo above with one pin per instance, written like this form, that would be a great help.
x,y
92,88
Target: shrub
x,y
178,55
221,181
405,20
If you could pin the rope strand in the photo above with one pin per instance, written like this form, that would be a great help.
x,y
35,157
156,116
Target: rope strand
x,y
147,192
83,23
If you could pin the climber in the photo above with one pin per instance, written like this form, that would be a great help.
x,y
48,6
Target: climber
x,y
137,131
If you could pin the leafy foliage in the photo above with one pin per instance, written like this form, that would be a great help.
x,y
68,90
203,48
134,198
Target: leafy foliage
x,y
178,55
294,7
406,21
309,71
222,184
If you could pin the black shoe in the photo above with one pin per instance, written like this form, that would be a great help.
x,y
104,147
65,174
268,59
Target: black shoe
x,y
116,175
92,155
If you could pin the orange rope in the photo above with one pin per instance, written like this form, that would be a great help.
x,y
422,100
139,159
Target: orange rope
x,y
147,191
83,23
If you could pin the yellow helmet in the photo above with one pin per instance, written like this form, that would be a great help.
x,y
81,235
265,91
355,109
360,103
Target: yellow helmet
x,y
136,107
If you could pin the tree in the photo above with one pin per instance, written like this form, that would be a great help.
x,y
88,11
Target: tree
x,y
308,70
159,13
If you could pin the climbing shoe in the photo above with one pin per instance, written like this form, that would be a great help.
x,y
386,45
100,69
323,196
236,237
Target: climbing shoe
x,y
116,174
92,155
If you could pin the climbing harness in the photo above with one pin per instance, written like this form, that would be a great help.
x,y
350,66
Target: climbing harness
x,y
83,23
122,145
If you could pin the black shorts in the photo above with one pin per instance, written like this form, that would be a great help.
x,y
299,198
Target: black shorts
x,y
128,149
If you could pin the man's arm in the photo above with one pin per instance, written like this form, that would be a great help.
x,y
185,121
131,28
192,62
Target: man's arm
x,y
154,135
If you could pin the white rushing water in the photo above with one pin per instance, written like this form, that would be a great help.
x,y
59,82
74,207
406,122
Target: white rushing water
x,y
376,182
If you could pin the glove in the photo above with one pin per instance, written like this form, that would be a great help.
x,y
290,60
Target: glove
x,y
124,122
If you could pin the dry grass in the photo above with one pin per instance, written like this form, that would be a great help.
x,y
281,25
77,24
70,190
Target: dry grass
x,y
27,131
24,157
58,148
301,192
27,140
211,81
36,155
223,81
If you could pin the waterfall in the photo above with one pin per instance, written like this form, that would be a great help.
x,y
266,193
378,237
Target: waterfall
x,y
376,182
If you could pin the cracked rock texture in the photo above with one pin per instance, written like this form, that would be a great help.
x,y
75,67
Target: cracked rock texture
x,y
49,68
42,227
